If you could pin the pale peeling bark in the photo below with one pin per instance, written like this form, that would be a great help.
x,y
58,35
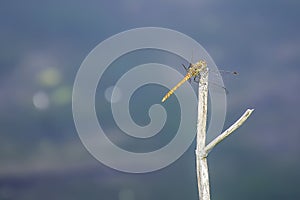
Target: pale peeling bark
x,y
201,161
202,150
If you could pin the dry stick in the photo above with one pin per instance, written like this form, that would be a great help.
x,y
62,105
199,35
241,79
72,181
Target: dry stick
x,y
202,150
230,130
201,161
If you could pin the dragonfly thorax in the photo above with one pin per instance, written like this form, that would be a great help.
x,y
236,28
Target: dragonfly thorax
x,y
198,67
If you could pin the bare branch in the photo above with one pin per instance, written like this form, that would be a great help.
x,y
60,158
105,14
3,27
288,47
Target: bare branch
x,y
230,130
201,161
201,149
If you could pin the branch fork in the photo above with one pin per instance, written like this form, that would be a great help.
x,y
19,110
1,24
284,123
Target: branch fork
x,y
203,150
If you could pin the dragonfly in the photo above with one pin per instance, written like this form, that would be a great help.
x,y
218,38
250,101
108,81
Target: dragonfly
x,y
194,70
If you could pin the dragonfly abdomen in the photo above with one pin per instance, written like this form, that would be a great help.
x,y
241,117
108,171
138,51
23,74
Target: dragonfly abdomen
x,y
187,77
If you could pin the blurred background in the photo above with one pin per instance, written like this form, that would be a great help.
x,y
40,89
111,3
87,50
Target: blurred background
x,y
43,45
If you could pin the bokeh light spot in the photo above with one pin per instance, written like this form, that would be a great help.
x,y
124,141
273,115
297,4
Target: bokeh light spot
x,y
126,194
62,95
49,77
113,98
40,100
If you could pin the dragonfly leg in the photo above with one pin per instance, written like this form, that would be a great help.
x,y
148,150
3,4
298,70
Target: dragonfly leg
x,y
197,79
186,69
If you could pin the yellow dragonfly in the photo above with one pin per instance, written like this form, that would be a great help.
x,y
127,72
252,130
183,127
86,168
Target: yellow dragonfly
x,y
193,70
